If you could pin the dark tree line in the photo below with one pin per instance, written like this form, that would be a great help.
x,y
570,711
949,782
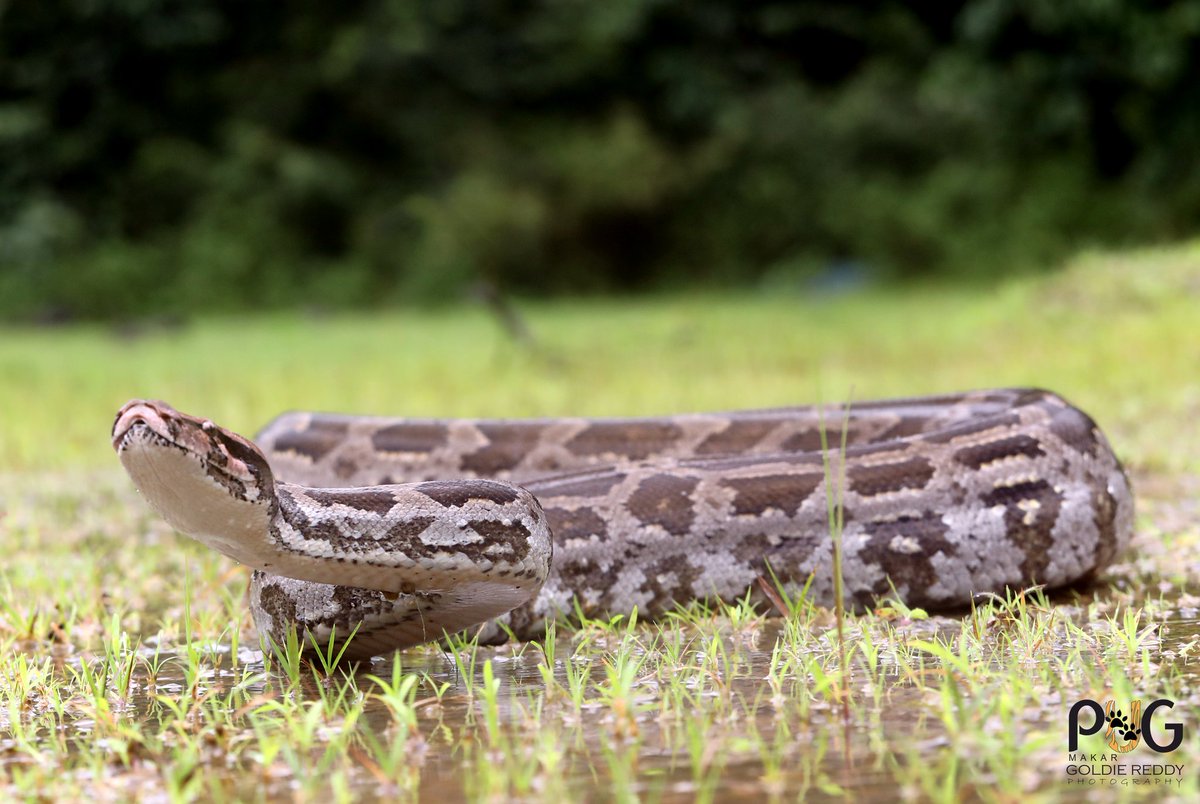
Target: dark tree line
x,y
200,154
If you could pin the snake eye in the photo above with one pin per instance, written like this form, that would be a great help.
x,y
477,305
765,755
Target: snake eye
x,y
207,425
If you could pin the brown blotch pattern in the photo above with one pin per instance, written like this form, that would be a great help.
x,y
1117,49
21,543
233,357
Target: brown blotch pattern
x,y
353,599
293,512
887,478
457,493
580,573
580,523
507,445
669,581
809,440
664,500
410,437
1035,538
906,427
1076,429
406,532
756,550
738,436
400,534
977,455
913,570
515,536
278,605
635,440
345,467
377,502
786,493
315,442
354,605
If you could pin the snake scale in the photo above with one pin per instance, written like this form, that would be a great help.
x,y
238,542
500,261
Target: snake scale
x,y
407,529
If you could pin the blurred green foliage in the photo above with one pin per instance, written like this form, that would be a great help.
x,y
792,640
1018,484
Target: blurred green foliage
x,y
169,156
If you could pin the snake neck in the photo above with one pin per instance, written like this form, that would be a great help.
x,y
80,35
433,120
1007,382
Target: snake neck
x,y
400,538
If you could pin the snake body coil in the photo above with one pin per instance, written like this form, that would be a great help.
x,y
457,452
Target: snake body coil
x,y
352,522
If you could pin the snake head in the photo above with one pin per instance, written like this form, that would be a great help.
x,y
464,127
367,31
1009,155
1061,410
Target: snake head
x,y
220,451
197,475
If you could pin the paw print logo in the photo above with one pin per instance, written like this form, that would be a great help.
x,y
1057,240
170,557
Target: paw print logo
x,y
1123,731
1117,722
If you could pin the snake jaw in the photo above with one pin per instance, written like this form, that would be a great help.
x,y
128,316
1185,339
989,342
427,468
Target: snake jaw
x,y
144,413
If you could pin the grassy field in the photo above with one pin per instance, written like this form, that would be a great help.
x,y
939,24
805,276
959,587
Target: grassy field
x,y
128,665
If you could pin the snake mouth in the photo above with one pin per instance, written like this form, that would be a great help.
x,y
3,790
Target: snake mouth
x,y
140,417
139,433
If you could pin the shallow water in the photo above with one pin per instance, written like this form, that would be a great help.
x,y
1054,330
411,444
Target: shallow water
x,y
726,708
700,729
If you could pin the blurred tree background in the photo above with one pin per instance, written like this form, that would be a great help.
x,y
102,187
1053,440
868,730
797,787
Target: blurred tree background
x,y
182,155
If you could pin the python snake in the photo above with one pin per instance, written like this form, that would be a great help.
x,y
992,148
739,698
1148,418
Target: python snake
x,y
409,529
